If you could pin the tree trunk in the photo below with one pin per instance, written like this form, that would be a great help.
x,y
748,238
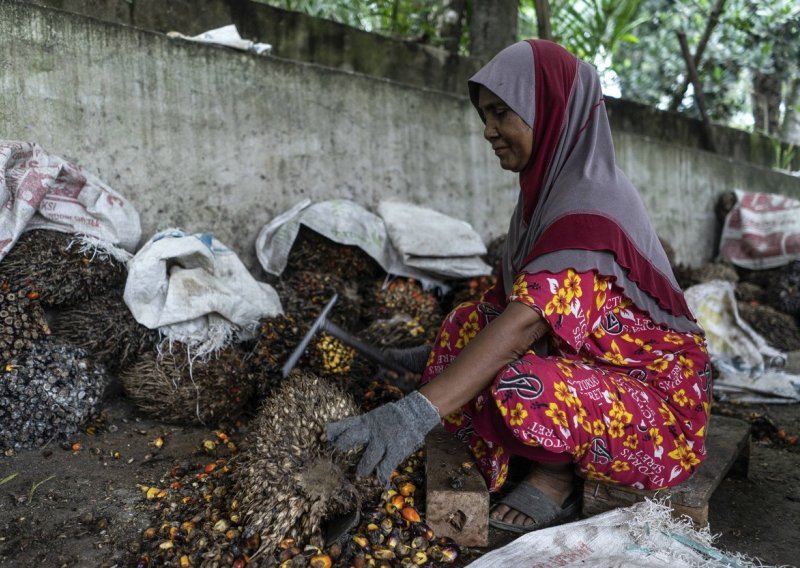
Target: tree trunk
x,y
493,26
790,128
455,13
543,26
767,103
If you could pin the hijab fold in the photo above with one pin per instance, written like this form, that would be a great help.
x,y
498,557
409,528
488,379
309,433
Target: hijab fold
x,y
575,208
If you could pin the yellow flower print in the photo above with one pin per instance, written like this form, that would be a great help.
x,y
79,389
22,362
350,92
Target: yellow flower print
x,y
683,454
593,474
581,414
614,356
658,439
631,442
600,283
700,342
455,418
502,408
624,304
561,390
431,357
559,416
688,366
564,369
600,286
468,330
518,415
444,338
666,414
619,465
479,449
599,332
680,397
572,284
636,341
502,474
615,429
674,338
559,304
581,449
659,365
598,428
520,290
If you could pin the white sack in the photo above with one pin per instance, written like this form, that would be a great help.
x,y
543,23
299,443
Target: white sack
x,y
227,36
433,242
41,191
340,220
641,536
749,368
761,231
195,290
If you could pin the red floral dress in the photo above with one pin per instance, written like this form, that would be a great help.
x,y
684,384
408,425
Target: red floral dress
x,y
625,399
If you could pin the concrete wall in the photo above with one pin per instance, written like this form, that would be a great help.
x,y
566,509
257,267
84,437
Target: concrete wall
x,y
212,139
299,37
293,35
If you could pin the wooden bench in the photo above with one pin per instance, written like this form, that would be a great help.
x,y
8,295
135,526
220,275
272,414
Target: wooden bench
x,y
728,447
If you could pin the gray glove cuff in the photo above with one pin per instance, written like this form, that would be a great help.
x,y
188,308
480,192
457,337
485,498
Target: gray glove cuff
x,y
423,411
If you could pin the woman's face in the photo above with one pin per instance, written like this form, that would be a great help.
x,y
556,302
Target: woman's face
x,y
510,137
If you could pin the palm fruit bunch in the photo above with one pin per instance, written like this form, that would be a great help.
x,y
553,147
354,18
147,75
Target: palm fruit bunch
x,y
784,292
779,329
470,290
22,319
304,295
406,296
378,393
494,252
331,356
47,392
750,292
277,338
718,270
289,481
313,252
61,269
398,331
173,387
105,327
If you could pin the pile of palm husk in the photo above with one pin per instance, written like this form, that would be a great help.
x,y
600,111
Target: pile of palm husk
x,y
22,319
64,269
47,391
174,387
105,327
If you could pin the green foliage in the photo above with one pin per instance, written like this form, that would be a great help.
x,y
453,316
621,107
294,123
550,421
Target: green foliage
x,y
409,19
752,35
633,43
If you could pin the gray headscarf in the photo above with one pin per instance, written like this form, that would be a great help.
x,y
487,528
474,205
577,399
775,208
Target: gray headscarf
x,y
576,209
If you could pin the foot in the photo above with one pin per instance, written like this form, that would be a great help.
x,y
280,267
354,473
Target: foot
x,y
556,481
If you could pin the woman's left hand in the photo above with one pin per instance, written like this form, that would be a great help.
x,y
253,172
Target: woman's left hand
x,y
391,433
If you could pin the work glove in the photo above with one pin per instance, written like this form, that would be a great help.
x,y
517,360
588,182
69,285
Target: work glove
x,y
391,433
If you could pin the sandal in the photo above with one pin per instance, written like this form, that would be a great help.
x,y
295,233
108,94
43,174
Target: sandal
x,y
528,500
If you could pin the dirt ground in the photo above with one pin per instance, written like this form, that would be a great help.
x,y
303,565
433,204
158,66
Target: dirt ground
x,y
84,505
